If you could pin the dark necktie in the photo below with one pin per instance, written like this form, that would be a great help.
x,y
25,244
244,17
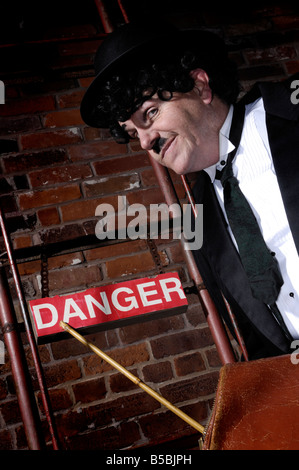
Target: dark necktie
x,y
259,263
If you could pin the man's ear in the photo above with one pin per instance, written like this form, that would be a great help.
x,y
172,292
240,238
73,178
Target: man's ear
x,y
202,80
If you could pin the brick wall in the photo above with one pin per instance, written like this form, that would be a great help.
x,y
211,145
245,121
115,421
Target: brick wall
x,y
55,172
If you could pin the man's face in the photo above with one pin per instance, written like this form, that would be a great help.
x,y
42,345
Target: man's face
x,y
183,133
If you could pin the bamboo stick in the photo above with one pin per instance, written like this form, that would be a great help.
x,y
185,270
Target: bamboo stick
x,y
133,378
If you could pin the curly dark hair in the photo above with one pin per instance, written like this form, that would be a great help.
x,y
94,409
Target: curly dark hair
x,y
125,92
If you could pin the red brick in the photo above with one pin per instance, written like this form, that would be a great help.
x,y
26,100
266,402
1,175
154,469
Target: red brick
x,y
22,242
176,253
87,208
59,174
195,314
12,125
74,422
70,117
213,358
181,342
118,249
63,372
132,405
28,161
70,100
90,390
43,353
111,185
120,383
166,426
132,333
72,347
74,277
48,216
59,234
271,54
189,389
158,372
189,363
46,197
91,133
148,177
86,81
28,106
126,357
10,411
111,438
146,197
96,150
69,259
130,265
59,398
30,267
50,138
121,165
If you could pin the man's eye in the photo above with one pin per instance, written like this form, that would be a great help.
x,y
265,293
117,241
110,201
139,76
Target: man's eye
x,y
133,135
151,112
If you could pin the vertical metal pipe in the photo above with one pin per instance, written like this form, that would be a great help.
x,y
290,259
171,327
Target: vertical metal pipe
x,y
122,9
165,182
19,368
218,331
215,323
30,334
104,16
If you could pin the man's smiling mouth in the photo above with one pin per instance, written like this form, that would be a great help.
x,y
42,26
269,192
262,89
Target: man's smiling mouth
x,y
166,146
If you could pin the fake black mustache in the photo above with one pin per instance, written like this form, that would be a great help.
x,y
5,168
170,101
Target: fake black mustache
x,y
159,144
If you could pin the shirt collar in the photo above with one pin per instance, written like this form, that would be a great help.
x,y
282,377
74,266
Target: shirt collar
x,y
225,145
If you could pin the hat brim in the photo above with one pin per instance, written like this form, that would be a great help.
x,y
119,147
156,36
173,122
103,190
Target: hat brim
x,y
89,111
159,45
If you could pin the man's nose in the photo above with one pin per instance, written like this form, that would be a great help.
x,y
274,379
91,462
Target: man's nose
x,y
148,138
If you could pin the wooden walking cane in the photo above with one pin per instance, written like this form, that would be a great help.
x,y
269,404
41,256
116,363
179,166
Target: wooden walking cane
x,y
133,378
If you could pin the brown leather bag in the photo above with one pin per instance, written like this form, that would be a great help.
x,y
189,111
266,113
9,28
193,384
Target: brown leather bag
x,y
256,407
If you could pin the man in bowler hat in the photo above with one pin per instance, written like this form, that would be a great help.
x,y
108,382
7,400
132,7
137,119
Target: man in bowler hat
x,y
176,91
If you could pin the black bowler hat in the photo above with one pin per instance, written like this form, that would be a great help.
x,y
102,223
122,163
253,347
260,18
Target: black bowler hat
x,y
135,43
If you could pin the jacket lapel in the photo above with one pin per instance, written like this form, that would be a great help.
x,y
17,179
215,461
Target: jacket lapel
x,y
225,262
282,119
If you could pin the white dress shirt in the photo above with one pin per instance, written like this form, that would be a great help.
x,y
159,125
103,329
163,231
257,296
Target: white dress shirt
x,y
254,169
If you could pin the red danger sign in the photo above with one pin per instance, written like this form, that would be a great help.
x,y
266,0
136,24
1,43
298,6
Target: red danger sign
x,y
108,306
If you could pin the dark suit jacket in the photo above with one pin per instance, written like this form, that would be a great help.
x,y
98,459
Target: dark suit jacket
x,y
218,260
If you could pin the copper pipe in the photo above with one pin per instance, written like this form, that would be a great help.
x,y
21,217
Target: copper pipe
x,y
218,331
122,9
215,323
108,27
30,334
236,330
165,182
189,195
20,374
